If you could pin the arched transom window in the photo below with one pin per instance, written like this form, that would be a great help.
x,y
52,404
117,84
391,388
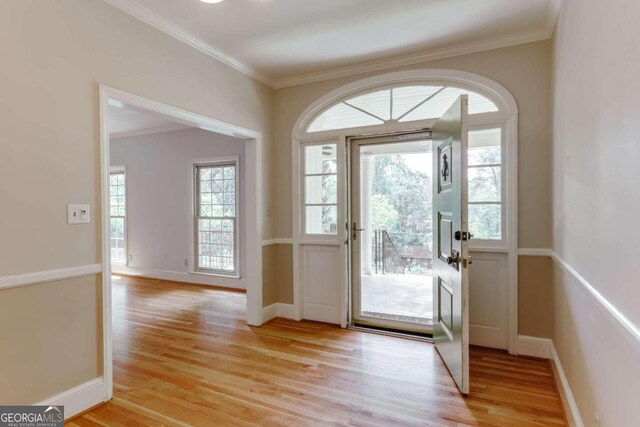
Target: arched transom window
x,y
397,104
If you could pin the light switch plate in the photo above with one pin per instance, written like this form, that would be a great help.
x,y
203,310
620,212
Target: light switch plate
x,y
78,214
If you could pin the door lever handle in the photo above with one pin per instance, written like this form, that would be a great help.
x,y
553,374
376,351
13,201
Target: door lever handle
x,y
354,231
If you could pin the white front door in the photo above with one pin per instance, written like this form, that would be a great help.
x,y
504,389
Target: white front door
x,y
451,247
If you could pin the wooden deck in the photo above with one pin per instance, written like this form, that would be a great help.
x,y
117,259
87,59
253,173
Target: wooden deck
x,y
183,355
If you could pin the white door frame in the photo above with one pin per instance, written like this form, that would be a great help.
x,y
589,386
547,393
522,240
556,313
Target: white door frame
x,y
507,117
252,203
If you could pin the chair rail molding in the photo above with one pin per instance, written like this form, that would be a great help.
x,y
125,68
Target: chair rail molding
x,y
626,323
27,279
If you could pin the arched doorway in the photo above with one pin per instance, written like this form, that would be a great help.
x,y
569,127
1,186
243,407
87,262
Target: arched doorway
x,y
407,101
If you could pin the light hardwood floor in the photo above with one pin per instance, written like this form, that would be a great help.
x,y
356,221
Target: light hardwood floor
x,y
183,355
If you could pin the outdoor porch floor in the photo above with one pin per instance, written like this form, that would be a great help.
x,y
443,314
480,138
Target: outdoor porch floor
x,y
403,297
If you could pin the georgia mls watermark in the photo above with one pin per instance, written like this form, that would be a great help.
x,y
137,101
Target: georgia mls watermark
x,y
31,416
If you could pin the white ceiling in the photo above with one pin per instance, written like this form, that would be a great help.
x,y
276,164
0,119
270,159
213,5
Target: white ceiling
x,y
281,40
124,122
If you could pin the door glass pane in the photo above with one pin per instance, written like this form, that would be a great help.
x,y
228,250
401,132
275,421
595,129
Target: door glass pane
x,y
395,245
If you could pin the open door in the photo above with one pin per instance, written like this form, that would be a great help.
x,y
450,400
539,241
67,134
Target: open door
x,y
450,235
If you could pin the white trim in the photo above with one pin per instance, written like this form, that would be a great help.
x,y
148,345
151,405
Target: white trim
x,y
149,131
573,413
179,33
194,277
544,348
534,346
270,312
286,311
417,58
277,241
252,204
631,327
507,116
506,103
79,398
278,309
534,252
27,279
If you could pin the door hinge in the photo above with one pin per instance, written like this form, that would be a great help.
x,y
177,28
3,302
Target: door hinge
x,y
462,235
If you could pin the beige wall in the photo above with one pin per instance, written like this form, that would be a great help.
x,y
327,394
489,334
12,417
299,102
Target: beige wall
x,y
525,71
535,296
54,55
284,273
269,275
596,203
50,338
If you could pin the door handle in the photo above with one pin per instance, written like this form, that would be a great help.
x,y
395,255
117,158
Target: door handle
x,y
454,259
354,231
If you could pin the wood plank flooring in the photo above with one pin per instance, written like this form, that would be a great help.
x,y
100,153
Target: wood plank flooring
x,y
183,355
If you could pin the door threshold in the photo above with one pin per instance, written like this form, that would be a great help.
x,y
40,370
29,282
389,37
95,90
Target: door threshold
x,y
393,333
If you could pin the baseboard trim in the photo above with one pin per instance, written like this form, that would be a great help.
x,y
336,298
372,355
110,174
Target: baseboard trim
x,y
570,405
28,279
545,349
534,346
278,309
79,398
178,276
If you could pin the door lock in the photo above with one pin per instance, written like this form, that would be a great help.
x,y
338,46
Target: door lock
x,y
467,261
462,235
454,260
354,231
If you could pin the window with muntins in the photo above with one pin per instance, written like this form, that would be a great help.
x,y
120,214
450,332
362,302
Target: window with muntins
x,y
485,184
320,189
117,217
397,104
216,225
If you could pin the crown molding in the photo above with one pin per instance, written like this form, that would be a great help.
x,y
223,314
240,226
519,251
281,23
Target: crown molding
x,y
412,59
149,131
183,35
170,28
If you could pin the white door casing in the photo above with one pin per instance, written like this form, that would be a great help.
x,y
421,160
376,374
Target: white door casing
x,y
451,254
482,333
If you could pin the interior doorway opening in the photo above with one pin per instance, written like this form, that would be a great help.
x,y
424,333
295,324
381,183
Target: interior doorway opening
x,y
391,237
249,237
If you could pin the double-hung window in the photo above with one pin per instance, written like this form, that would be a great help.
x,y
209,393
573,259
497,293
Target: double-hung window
x,y
216,212
118,216
320,189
